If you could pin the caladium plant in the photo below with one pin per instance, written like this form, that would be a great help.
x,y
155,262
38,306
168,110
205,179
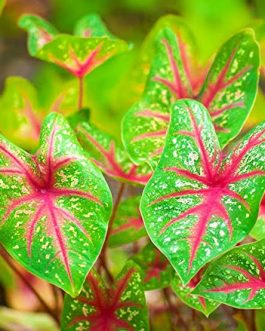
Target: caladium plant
x,y
227,89
98,308
237,278
201,202
55,206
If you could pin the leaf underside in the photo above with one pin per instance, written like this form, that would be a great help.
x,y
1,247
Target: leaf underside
x,y
54,206
199,202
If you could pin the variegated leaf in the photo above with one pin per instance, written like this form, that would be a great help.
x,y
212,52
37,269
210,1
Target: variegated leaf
x,y
110,156
157,270
199,202
92,26
228,90
258,231
55,206
40,32
184,292
237,278
98,308
128,225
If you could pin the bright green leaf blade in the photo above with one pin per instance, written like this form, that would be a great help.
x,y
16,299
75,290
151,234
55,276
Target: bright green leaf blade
x,y
230,87
157,271
2,5
92,26
80,55
122,307
199,204
145,125
40,32
184,292
20,114
258,231
229,91
237,278
55,206
128,225
106,153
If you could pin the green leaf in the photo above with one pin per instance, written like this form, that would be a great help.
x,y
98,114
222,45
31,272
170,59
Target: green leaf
x,y
199,202
228,90
55,206
156,268
128,225
258,231
40,32
80,55
92,26
184,292
106,153
237,278
121,307
21,118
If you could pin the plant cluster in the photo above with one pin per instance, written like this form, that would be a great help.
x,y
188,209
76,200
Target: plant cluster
x,y
196,229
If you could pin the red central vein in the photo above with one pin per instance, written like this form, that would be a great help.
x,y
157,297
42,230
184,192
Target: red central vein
x,y
106,304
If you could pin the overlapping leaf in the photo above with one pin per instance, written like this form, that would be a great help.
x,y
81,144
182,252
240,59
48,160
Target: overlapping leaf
x,y
199,203
237,278
55,206
128,225
99,308
228,90
110,156
157,271
184,292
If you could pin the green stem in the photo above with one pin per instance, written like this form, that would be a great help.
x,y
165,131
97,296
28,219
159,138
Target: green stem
x,y
112,218
81,92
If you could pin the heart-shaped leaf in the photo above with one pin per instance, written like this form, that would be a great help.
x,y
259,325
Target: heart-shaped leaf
x,y
228,91
98,308
55,206
40,32
199,203
92,26
184,292
128,225
157,270
21,117
258,232
110,156
237,278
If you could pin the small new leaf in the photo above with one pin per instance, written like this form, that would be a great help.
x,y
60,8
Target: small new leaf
x,y
199,202
237,278
55,206
98,308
